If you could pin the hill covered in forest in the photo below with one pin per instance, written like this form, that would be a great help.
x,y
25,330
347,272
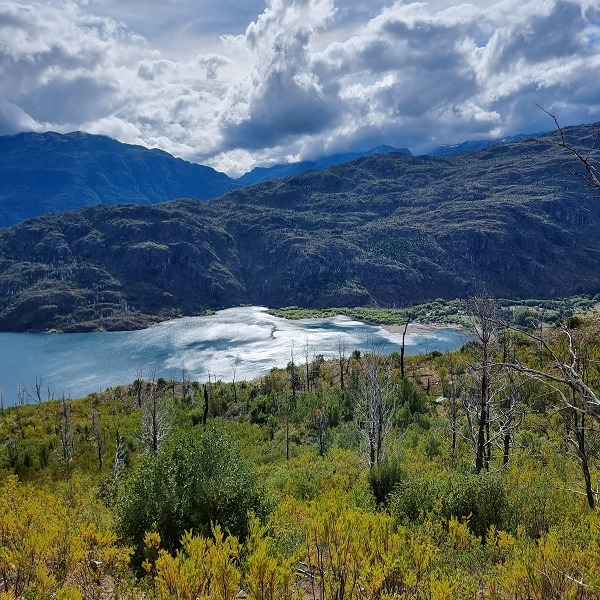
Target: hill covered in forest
x,y
385,230
48,172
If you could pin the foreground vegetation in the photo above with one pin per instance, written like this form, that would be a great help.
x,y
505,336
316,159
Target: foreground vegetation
x,y
467,475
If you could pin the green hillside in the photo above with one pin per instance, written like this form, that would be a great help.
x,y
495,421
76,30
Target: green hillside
x,y
386,230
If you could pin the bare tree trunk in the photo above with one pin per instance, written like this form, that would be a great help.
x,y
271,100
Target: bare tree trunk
x,y
453,413
579,430
479,451
119,455
65,431
402,348
306,354
205,414
287,435
375,406
506,449
154,418
483,310
138,386
37,389
97,435
233,382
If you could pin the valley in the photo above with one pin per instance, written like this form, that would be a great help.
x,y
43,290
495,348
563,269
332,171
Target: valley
x,y
384,230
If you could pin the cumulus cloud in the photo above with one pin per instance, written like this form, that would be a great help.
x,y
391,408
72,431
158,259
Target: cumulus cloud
x,y
432,75
14,119
282,97
239,86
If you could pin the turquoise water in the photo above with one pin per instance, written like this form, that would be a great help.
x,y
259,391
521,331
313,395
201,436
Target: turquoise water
x,y
247,340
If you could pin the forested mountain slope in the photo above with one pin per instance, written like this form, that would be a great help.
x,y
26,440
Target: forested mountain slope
x,y
387,229
48,172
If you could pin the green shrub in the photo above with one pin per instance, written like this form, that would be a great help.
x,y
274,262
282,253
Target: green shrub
x,y
197,478
413,498
481,499
384,477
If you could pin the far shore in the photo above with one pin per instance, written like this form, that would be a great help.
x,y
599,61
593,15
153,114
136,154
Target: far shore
x,y
421,328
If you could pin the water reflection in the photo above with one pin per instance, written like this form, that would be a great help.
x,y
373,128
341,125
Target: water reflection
x,y
246,339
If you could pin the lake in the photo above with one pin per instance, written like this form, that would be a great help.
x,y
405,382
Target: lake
x,y
246,340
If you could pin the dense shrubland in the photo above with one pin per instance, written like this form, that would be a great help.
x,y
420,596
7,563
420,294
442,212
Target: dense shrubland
x,y
333,480
523,313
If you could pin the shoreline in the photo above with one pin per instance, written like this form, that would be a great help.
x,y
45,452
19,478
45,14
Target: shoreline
x,y
420,328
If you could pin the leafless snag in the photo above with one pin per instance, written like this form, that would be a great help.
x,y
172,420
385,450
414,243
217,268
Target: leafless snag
x,y
155,417
590,173
402,348
375,405
307,364
567,377
484,311
185,385
234,368
21,401
98,437
65,431
36,390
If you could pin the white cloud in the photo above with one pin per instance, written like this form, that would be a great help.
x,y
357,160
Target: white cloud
x,y
14,119
236,85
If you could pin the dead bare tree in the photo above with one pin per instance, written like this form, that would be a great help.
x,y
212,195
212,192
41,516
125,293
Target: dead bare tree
x,y
185,385
343,364
452,387
36,390
307,364
512,398
205,411
234,371
65,431
567,375
21,401
375,405
120,455
155,419
138,386
98,437
484,312
589,174
402,348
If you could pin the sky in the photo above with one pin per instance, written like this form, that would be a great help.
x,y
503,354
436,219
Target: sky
x,y
236,84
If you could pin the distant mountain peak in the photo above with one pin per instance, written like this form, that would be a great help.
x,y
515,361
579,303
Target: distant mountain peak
x,y
50,172
470,145
296,168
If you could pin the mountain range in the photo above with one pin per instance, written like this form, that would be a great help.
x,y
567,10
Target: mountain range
x,y
387,229
49,172
286,170
43,173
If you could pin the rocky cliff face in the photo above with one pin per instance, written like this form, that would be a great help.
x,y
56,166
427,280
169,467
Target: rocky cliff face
x,y
386,230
